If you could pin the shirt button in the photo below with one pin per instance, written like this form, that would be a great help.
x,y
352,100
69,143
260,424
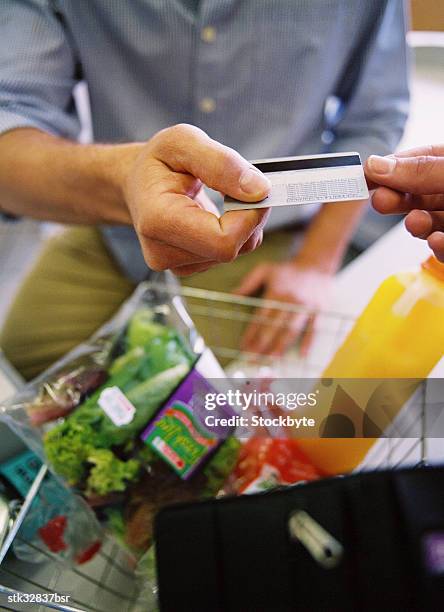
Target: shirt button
x,y
207,105
208,34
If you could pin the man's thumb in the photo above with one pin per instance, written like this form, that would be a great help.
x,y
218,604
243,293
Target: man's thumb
x,y
421,174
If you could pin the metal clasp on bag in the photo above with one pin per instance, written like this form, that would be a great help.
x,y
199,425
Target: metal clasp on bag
x,y
321,545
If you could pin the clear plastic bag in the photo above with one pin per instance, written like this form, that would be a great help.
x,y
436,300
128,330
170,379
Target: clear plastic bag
x,y
59,523
147,577
142,353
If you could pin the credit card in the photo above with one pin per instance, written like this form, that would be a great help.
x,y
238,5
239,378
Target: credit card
x,y
309,179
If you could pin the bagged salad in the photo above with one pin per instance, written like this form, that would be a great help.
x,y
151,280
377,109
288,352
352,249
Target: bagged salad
x,y
85,417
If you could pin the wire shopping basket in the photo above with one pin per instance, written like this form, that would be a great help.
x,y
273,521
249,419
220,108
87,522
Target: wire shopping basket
x,y
406,444
108,582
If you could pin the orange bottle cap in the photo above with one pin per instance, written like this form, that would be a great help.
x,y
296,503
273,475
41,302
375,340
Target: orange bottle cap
x,y
434,267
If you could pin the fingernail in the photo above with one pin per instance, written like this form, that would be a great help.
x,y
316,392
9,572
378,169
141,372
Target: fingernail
x,y
381,165
254,182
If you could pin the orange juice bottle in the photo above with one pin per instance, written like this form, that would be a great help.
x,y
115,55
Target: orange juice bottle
x,y
400,335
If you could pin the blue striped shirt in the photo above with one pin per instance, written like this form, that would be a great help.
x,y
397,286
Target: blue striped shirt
x,y
266,77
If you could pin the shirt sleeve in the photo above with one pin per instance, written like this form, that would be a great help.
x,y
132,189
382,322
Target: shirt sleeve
x,y
374,100
37,69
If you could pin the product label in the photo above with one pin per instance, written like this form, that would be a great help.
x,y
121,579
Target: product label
x,y
180,439
178,433
116,406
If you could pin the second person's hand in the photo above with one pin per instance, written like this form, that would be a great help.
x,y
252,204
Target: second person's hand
x,y
412,182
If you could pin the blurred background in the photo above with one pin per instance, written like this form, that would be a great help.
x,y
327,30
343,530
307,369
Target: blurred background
x,y
21,240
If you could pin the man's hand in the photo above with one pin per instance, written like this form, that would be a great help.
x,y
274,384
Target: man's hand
x,y
156,186
304,281
177,225
273,331
412,182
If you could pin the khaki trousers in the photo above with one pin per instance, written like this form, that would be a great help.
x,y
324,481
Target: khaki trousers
x,y
75,286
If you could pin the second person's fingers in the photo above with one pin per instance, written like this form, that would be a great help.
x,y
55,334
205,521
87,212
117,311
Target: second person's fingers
x,y
388,201
436,243
423,174
435,150
421,223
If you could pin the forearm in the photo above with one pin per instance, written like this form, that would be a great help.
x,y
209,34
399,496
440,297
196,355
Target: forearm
x,y
49,178
329,234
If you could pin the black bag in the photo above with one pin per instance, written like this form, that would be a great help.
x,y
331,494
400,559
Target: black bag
x,y
370,541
